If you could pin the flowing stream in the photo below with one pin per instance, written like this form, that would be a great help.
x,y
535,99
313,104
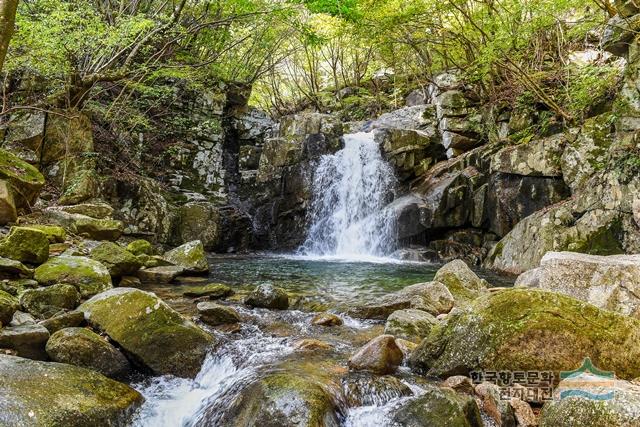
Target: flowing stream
x,y
351,189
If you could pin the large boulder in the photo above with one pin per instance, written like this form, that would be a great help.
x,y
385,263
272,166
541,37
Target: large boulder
x,y
593,402
268,296
48,301
117,259
215,314
25,245
8,305
462,282
8,209
25,180
162,274
150,332
439,407
26,340
13,268
190,256
88,276
94,228
84,348
381,355
541,157
411,324
521,329
43,394
199,221
608,282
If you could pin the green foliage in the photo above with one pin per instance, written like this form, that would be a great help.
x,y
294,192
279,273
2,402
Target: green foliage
x,y
590,84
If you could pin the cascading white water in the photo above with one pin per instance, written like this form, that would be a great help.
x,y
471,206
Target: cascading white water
x,y
350,191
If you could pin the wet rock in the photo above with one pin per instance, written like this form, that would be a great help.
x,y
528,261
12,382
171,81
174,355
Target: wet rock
x,y
140,247
42,394
150,332
621,408
410,324
407,347
86,349
381,355
494,406
54,233
462,282
27,340
212,290
164,274
25,245
8,305
523,413
366,389
20,318
189,256
118,260
88,276
608,282
45,302
16,286
215,314
25,180
619,34
326,319
268,296
521,329
432,297
70,319
442,408
13,268
310,344
285,400
460,383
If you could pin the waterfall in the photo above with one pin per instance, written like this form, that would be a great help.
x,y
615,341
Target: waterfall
x,y
350,191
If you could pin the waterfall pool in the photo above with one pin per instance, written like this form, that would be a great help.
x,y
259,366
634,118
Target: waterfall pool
x,y
268,341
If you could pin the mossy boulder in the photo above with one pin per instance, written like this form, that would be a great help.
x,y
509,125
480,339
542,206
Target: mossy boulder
x,y
163,274
48,301
13,268
84,225
521,329
190,256
140,247
70,319
117,259
439,407
25,245
25,180
8,305
88,276
211,290
283,399
410,324
199,221
381,356
26,340
8,209
84,348
215,314
93,210
462,282
268,296
43,394
152,334
54,233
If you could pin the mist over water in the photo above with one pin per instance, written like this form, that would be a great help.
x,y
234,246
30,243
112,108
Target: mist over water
x,y
351,189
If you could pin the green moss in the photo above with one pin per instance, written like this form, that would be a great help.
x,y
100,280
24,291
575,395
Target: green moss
x,y
55,234
25,245
88,276
211,290
18,171
140,247
8,305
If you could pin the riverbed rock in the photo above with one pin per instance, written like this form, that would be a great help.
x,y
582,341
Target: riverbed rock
x,y
163,274
24,179
94,228
25,245
367,389
212,290
440,408
43,394
45,302
151,333
523,329
27,340
13,268
621,408
282,399
462,282
117,259
140,247
460,383
21,318
494,406
93,210
86,349
410,324
215,314
268,296
432,297
190,256
381,355
55,233
8,305
523,413
608,282
69,319
88,276
326,319
8,210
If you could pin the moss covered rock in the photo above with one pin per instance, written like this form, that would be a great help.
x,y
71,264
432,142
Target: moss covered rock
x,y
13,268
381,355
439,407
88,276
521,329
117,259
140,247
25,245
211,290
84,348
268,296
69,319
410,324
46,302
190,256
462,282
93,210
54,233
43,394
8,209
8,305
163,274
26,340
94,228
25,179
154,335
215,314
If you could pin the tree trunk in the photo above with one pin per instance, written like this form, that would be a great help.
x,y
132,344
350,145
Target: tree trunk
x,y
7,24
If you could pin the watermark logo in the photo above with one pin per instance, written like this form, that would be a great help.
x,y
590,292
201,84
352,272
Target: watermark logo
x,y
531,386
587,382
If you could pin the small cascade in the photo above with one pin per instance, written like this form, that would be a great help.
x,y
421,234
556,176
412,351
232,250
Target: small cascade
x,y
351,190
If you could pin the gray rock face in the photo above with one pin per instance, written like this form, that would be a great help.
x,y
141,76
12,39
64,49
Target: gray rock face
x,y
45,302
190,256
88,276
43,394
609,282
27,340
410,324
163,274
84,348
540,157
268,296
